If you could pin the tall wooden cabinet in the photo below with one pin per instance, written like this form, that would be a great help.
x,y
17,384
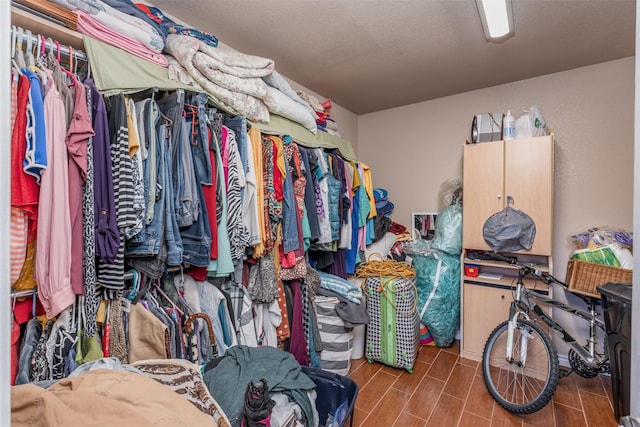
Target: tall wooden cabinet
x,y
522,169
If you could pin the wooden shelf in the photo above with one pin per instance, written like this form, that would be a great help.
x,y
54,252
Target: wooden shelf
x,y
38,25
503,265
505,282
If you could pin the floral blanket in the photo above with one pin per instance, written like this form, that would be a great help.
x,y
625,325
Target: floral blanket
x,y
244,85
231,78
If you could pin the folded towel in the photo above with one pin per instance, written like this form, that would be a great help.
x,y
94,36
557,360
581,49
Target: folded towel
x,y
91,27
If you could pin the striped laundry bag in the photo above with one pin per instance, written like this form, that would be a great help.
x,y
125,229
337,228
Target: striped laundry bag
x,y
337,341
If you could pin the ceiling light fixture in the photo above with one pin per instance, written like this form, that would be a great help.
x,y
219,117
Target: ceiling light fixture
x,y
497,19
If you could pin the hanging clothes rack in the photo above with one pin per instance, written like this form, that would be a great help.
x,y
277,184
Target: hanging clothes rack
x,y
49,44
22,294
29,292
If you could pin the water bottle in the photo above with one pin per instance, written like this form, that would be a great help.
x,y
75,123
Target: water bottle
x,y
508,126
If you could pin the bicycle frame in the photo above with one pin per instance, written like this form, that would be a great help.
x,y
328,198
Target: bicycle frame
x,y
522,305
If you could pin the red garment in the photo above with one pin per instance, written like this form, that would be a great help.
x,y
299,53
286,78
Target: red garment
x,y
199,274
278,180
209,192
23,310
396,228
24,189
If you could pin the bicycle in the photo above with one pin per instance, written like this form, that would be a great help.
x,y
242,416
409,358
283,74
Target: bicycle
x,y
520,362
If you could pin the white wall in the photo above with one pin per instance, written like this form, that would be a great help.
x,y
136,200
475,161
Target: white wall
x,y
5,135
635,333
414,148
346,120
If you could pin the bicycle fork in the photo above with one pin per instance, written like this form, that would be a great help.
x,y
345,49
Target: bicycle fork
x,y
524,340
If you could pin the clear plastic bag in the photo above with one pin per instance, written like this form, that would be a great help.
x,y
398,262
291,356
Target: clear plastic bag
x,y
531,123
448,235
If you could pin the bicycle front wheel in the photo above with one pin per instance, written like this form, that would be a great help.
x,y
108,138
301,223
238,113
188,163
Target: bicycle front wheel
x,y
524,381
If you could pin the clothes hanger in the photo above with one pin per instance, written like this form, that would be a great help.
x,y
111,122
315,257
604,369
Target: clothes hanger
x,y
33,302
14,40
72,321
39,44
180,289
70,73
19,54
166,297
57,43
135,284
30,60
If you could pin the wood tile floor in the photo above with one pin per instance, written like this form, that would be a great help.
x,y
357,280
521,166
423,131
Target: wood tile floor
x,y
446,390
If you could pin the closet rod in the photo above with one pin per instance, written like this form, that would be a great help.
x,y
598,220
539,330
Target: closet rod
x,y
29,292
22,294
48,44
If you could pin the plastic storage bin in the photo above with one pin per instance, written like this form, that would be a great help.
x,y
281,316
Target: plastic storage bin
x,y
616,300
336,396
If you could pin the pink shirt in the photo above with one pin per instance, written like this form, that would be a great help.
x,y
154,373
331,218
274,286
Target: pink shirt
x,y
78,134
53,246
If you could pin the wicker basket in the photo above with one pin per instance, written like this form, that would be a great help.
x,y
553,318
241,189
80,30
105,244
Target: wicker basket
x,y
583,277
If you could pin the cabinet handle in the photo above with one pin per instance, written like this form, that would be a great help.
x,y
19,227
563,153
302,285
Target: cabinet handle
x,y
501,296
499,196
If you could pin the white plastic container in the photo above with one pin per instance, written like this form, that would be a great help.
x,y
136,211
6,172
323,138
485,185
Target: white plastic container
x,y
508,126
358,342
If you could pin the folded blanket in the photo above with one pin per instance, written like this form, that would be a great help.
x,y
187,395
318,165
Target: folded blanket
x,y
185,49
177,73
276,80
91,27
211,69
230,61
122,23
282,105
169,26
128,7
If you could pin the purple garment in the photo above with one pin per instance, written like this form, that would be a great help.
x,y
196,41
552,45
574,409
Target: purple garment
x,y
338,268
298,346
107,234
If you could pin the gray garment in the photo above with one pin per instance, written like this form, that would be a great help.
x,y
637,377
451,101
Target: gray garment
x,y
309,194
63,322
285,413
189,198
31,338
352,314
171,327
263,286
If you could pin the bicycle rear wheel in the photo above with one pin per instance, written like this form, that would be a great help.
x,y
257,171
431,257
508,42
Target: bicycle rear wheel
x,y
525,382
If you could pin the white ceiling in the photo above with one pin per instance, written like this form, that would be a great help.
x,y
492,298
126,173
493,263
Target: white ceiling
x,y
371,55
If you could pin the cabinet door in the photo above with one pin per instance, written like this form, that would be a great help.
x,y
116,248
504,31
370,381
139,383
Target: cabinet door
x,y
484,308
529,180
483,172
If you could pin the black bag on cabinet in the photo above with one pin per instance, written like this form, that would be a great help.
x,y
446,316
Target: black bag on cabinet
x,y
509,230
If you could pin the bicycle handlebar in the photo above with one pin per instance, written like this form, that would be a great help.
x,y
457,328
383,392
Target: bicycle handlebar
x,y
526,269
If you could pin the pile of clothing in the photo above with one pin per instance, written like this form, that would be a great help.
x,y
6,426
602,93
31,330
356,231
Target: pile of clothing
x,y
243,85
322,112
246,85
